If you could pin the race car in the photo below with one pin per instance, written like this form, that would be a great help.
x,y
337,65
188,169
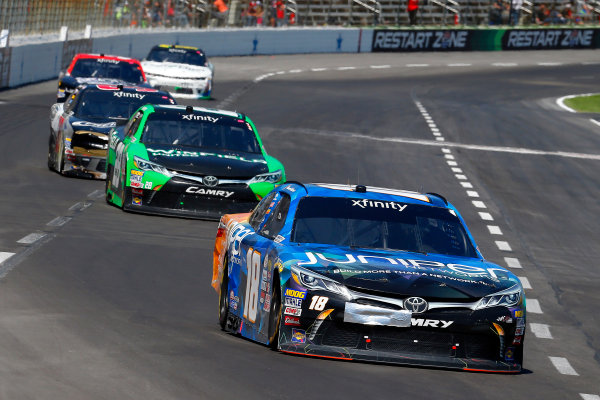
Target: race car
x,y
183,71
189,161
99,69
79,127
365,273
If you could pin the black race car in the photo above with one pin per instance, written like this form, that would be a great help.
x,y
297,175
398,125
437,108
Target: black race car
x,y
79,127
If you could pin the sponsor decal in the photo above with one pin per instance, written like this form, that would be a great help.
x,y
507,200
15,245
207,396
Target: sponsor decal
x,y
519,331
364,203
431,267
135,180
267,302
183,153
136,201
129,95
177,51
279,265
510,354
279,239
432,323
208,192
136,172
290,188
94,125
194,117
394,40
547,39
291,320
210,180
137,191
148,185
292,302
505,319
236,232
298,336
520,322
107,60
518,313
297,294
233,300
293,311
416,305
518,340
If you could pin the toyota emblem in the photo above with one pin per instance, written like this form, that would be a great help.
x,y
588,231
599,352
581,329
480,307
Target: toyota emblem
x,y
210,181
416,305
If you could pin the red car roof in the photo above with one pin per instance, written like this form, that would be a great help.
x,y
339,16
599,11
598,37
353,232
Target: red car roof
x,y
106,57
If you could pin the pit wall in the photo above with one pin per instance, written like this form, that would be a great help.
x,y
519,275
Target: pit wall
x,y
28,63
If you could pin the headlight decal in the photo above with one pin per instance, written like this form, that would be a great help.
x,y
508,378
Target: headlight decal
x,y
507,298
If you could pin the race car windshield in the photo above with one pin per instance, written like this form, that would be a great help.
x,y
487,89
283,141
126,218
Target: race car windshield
x,y
375,224
115,104
105,68
179,56
206,131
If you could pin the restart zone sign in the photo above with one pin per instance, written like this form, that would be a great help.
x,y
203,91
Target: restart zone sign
x,y
409,40
390,40
518,39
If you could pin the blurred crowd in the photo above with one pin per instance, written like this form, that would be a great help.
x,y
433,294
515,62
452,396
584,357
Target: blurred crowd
x,y
512,12
201,13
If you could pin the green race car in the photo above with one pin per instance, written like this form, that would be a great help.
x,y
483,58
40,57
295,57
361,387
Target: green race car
x,y
189,161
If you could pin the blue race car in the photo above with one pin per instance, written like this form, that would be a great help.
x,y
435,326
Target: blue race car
x,y
364,273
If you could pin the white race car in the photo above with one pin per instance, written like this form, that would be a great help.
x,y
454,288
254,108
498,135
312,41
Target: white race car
x,y
182,71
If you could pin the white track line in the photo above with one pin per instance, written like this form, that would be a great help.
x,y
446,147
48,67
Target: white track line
x,y
5,256
525,282
472,193
59,221
467,185
486,216
563,366
478,203
502,245
494,230
541,331
31,238
512,262
533,306
380,66
594,121
586,396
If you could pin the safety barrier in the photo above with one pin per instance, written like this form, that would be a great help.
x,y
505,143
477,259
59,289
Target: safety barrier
x,y
27,63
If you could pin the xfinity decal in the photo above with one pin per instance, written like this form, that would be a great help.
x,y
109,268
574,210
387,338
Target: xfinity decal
x,y
432,323
208,192
129,95
106,60
364,203
193,117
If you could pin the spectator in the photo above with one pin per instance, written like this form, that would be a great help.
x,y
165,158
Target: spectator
x,y
555,18
542,14
273,13
250,13
412,7
220,11
157,14
515,11
495,16
280,15
260,12
568,13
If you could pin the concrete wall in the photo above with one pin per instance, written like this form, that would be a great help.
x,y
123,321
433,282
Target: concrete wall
x,y
35,62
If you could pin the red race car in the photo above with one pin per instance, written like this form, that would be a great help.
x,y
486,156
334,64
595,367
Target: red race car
x,y
99,69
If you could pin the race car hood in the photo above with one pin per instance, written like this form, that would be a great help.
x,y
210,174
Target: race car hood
x,y
404,273
98,125
208,162
174,70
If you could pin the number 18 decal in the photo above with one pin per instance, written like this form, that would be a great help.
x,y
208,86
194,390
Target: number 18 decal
x,y
252,284
317,303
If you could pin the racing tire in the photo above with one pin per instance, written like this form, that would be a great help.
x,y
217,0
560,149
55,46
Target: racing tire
x,y
50,151
275,314
224,298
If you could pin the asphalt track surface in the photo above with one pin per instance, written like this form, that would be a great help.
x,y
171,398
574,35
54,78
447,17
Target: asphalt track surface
x,y
114,305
